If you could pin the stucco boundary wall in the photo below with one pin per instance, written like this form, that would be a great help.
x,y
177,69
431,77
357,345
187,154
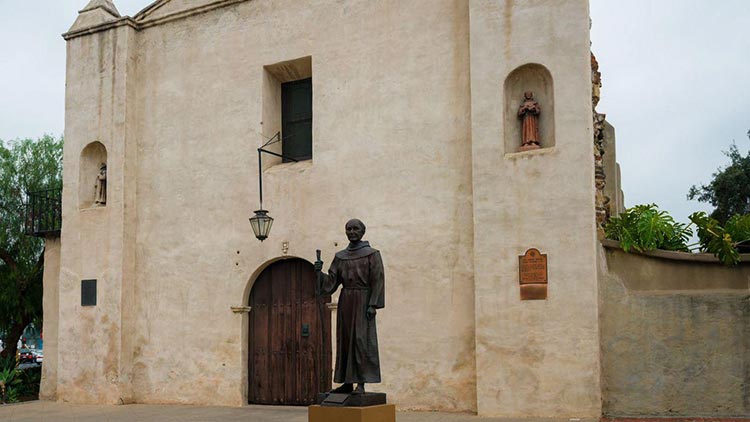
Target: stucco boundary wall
x,y
675,334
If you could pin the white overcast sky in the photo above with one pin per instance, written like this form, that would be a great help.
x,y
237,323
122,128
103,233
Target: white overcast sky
x,y
676,77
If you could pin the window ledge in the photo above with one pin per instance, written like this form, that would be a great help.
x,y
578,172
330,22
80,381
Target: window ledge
x,y
528,154
300,166
92,208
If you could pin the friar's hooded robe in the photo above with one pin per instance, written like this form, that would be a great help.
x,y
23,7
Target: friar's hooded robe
x,y
359,270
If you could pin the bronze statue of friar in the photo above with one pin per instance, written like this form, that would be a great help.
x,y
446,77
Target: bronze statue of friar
x,y
359,270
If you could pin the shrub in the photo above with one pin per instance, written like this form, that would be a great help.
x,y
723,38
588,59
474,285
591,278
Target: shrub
x,y
645,227
18,384
27,387
8,380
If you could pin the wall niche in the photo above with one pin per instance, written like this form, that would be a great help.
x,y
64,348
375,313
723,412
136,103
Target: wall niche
x,y
92,176
535,79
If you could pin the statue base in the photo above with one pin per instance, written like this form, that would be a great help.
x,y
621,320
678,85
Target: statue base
x,y
350,400
529,147
380,413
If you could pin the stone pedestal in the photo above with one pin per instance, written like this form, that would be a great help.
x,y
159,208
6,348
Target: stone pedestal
x,y
381,413
351,400
530,147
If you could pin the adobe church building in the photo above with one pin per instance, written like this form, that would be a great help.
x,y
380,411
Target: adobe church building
x,y
404,114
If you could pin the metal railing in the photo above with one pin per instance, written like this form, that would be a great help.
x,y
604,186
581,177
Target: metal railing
x,y
44,213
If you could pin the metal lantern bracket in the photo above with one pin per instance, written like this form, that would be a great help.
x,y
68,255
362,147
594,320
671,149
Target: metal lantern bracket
x,y
274,140
261,222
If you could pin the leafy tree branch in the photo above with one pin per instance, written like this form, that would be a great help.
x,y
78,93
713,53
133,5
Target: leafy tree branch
x,y
729,189
26,165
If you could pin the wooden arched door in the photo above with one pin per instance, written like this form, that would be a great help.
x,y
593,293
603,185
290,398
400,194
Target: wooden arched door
x,y
289,355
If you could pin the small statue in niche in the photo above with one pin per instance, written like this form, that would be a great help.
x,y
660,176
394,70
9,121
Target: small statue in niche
x,y
529,115
101,186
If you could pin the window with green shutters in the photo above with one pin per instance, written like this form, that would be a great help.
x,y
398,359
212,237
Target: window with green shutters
x,y
296,119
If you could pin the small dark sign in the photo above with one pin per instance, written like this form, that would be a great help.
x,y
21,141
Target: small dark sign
x,y
88,292
532,267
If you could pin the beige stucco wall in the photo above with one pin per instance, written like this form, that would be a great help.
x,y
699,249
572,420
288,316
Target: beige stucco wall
x,y
391,146
675,335
534,358
97,242
408,136
51,309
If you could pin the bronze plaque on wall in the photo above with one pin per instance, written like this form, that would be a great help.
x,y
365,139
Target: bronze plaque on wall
x,y
532,267
532,275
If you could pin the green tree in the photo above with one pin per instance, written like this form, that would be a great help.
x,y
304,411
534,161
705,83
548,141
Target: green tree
x,y
26,165
729,191
726,241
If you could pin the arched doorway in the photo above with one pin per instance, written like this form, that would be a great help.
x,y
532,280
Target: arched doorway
x,y
289,355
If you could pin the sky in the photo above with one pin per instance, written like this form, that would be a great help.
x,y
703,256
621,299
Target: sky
x,y
676,84
676,87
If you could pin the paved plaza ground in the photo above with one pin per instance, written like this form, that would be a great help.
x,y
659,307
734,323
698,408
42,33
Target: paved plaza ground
x,y
40,411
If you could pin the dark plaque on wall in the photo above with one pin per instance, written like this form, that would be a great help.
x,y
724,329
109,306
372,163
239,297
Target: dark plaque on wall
x,y
88,292
532,275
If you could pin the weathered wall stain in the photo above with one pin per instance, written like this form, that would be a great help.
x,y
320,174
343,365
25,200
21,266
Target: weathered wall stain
x,y
507,28
673,352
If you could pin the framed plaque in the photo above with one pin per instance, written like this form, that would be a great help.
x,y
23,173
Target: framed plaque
x,y
532,275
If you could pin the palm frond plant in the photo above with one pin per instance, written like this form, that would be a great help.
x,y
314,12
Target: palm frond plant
x,y
28,381
645,228
8,381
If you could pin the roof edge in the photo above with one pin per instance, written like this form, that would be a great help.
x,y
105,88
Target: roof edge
x,y
124,21
149,9
144,22
142,17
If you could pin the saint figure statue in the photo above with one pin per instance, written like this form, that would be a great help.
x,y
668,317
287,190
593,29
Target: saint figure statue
x,y
529,115
101,186
359,270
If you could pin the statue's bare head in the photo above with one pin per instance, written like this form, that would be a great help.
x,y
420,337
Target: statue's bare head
x,y
355,230
528,95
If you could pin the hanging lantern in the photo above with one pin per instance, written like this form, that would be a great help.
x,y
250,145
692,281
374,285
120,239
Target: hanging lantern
x,y
261,224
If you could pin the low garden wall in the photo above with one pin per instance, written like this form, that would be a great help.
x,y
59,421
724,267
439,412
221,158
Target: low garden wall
x,y
675,334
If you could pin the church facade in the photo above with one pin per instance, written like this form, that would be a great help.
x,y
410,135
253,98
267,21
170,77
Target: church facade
x,y
402,114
